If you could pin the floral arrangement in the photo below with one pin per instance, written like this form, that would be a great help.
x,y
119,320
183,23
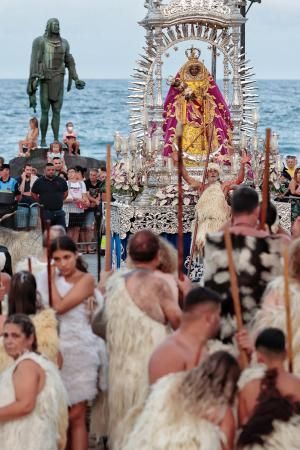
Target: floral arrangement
x,y
125,181
168,196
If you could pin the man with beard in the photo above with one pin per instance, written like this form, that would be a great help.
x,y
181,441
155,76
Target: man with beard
x,y
49,58
50,191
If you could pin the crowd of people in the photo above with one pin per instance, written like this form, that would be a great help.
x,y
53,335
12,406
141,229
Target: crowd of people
x,y
157,357
70,142
62,196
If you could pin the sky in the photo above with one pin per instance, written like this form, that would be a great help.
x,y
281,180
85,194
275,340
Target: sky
x,y
105,38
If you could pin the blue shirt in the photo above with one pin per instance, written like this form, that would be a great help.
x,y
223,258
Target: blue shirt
x,y
10,185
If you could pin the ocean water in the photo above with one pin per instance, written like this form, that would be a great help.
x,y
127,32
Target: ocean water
x,y
101,109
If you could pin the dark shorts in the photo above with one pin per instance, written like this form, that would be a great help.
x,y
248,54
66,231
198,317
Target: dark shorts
x,y
76,220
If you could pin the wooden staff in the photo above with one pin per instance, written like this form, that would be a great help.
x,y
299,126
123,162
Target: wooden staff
x,y
1,285
265,192
29,264
203,182
287,300
108,210
48,223
235,291
179,132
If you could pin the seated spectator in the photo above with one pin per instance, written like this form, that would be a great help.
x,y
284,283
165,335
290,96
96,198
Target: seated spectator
x,y
10,195
70,140
289,170
30,142
27,212
56,151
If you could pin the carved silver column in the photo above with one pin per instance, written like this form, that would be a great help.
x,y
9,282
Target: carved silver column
x,y
236,107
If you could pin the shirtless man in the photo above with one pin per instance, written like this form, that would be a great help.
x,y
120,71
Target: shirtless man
x,y
270,351
186,347
139,310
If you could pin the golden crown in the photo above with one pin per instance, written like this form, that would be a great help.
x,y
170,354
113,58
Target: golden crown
x,y
193,54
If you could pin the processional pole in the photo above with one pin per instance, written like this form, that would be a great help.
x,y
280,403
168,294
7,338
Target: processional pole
x,y
235,291
287,301
48,224
211,134
108,211
265,190
179,132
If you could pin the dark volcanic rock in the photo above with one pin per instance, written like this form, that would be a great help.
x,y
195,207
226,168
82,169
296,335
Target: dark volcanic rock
x,y
38,159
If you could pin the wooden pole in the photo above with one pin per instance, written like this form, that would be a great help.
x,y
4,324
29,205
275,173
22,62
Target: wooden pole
x,y
1,285
235,291
287,300
203,182
265,192
48,223
108,210
29,264
180,203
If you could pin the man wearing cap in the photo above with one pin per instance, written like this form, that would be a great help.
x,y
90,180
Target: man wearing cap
x,y
212,209
8,185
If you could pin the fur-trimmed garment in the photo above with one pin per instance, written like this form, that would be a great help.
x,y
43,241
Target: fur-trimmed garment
x,y
275,315
257,262
46,327
286,435
45,427
164,425
131,337
212,212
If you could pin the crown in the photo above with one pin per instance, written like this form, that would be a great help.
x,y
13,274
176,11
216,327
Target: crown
x,y
193,54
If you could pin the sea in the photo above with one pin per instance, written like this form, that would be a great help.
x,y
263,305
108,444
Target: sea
x,y
101,109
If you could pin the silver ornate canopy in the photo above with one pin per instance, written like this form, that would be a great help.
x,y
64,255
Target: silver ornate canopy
x,y
214,22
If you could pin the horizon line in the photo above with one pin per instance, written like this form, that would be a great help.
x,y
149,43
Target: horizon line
x,y
128,79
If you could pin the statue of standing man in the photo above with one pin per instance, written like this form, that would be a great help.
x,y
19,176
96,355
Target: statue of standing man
x,y
49,58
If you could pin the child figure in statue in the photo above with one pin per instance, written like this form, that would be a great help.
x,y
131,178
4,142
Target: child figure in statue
x,y
30,140
195,100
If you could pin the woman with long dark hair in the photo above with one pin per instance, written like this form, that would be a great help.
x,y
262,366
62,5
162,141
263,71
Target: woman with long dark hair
x,y
33,400
23,298
72,287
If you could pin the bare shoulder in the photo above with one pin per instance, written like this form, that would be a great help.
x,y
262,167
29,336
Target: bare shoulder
x,y
289,384
86,278
168,358
28,366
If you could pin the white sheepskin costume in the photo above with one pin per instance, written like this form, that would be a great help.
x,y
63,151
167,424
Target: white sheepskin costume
x,y
164,425
131,337
275,316
286,435
46,426
212,212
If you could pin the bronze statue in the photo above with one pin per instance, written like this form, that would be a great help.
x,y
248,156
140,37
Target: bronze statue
x,y
49,58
